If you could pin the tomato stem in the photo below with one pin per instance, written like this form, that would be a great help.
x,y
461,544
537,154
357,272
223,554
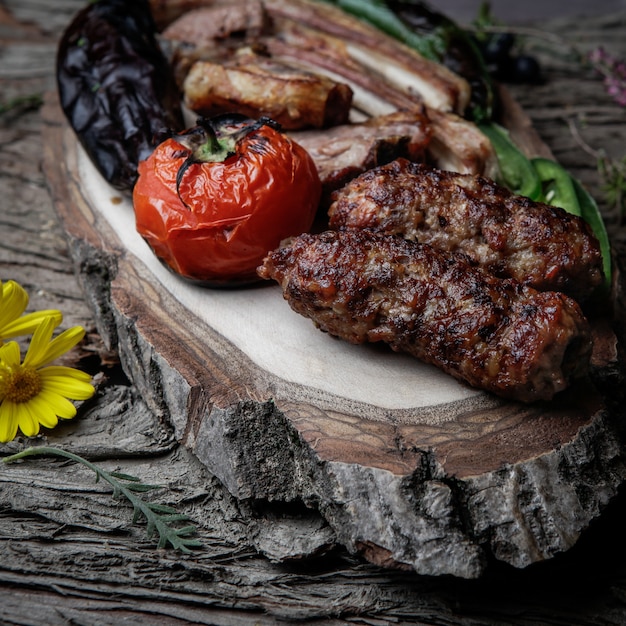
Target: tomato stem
x,y
213,140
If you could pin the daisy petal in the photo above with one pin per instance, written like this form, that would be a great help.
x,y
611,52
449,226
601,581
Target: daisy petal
x,y
43,412
14,301
10,354
59,404
61,344
8,422
62,370
27,324
26,420
67,381
39,343
74,389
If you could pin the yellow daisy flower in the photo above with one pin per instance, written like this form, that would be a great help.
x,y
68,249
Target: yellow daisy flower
x,y
13,303
33,393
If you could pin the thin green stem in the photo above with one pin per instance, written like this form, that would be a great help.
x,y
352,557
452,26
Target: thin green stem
x,y
33,101
159,517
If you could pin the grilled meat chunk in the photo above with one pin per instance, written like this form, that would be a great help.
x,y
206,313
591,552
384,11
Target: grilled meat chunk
x,y
383,75
511,236
206,25
343,152
457,143
433,83
256,86
495,334
460,146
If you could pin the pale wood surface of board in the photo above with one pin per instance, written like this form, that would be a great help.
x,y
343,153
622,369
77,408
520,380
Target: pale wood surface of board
x,y
69,530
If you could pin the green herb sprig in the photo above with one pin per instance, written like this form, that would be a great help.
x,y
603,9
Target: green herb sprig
x,y
159,517
613,174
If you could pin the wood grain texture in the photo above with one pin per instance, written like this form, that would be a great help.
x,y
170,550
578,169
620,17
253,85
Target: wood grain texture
x,y
91,565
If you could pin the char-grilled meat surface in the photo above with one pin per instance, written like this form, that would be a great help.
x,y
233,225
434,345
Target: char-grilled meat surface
x,y
343,152
253,85
206,25
495,334
383,74
511,236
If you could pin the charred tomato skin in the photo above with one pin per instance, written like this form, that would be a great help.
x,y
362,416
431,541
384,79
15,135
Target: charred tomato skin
x,y
216,223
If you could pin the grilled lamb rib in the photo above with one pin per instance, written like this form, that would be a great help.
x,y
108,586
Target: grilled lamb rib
x,y
384,75
343,152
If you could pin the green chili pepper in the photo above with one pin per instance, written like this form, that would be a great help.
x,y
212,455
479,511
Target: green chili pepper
x,y
591,214
557,185
515,170
561,189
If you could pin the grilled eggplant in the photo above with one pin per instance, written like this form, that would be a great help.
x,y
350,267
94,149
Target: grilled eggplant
x,y
116,88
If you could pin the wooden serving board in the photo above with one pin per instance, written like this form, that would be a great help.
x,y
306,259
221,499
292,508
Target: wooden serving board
x,y
406,466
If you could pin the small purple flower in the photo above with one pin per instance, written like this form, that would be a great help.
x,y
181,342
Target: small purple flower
x,y
613,71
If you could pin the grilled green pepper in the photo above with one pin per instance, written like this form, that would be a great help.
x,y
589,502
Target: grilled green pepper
x,y
454,48
560,188
557,185
591,214
438,38
516,171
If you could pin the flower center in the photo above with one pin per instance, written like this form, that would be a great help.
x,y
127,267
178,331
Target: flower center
x,y
21,384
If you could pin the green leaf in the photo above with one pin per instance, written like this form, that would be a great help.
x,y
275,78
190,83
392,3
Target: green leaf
x,y
174,517
122,476
141,487
161,508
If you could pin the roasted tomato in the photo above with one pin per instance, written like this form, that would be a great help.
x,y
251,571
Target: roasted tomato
x,y
214,200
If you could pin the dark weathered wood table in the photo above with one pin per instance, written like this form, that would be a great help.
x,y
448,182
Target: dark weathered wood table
x,y
70,553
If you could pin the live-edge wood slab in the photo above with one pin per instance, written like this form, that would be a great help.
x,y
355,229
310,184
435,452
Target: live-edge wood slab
x,y
408,467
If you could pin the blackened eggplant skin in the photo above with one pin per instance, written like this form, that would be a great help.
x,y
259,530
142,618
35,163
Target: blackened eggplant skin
x,y
116,87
